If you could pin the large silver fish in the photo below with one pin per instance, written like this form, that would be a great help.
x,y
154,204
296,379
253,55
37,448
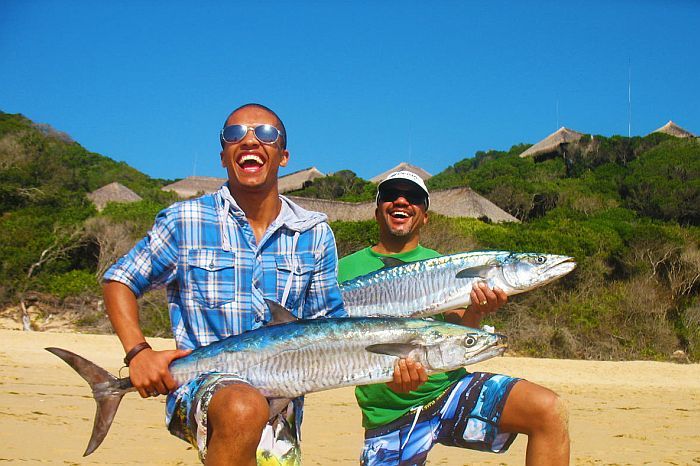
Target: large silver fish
x,y
303,356
431,286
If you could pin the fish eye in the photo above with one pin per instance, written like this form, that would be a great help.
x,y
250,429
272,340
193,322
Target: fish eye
x,y
540,259
469,341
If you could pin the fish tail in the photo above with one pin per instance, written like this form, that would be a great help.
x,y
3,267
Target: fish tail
x,y
107,390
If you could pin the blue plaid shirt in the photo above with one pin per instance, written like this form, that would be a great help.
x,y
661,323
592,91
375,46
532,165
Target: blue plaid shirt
x,y
217,275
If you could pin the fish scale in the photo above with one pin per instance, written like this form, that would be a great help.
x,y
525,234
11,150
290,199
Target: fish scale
x,y
310,363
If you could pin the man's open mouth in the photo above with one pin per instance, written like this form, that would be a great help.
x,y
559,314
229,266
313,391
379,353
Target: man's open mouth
x,y
399,214
250,162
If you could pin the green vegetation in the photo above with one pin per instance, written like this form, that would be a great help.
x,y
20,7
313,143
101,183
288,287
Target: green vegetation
x,y
628,210
48,239
343,185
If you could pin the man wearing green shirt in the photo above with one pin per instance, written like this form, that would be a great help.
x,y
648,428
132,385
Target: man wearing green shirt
x,y
404,418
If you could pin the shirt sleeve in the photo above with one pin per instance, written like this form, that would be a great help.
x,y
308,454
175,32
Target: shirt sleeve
x,y
152,263
323,296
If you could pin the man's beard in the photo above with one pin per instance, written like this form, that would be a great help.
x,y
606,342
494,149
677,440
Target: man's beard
x,y
399,233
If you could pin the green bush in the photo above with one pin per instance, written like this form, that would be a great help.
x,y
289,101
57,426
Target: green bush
x,y
353,236
664,183
75,282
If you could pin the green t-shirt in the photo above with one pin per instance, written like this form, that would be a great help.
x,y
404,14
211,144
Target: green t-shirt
x,y
380,405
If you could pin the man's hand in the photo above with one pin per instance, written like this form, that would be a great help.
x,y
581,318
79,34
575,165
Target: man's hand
x,y
484,301
408,375
149,372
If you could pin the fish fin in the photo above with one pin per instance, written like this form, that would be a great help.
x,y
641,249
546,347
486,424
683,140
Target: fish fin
x,y
277,405
400,350
390,262
474,272
106,389
280,314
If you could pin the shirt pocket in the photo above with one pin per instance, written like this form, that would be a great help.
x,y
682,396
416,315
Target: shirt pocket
x,y
301,271
212,274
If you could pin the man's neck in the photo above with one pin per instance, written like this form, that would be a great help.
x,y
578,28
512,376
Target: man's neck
x,y
395,245
261,209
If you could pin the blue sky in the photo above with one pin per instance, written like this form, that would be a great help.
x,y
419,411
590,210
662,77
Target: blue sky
x,y
360,85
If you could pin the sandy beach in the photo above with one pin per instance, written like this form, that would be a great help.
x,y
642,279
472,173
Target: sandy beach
x,y
621,412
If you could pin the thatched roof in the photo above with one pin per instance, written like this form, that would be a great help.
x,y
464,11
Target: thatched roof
x,y
337,210
194,186
402,166
674,130
463,202
298,179
553,142
112,192
455,202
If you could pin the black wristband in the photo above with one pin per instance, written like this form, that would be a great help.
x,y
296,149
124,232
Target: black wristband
x,y
134,351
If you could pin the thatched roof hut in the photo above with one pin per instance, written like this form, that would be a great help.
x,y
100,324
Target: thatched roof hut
x,y
553,142
674,130
298,180
402,166
112,192
337,210
195,186
463,202
455,202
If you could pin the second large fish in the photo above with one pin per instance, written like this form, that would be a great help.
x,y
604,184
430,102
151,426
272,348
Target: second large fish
x,y
431,286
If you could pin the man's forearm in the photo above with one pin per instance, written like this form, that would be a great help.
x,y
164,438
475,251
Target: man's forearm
x,y
123,312
462,316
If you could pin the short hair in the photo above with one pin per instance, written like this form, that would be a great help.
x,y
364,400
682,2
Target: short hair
x,y
283,130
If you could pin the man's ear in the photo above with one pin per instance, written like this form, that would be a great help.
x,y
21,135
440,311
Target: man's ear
x,y
285,158
221,156
425,218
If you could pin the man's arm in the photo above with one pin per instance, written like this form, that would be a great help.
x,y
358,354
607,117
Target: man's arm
x,y
152,262
148,370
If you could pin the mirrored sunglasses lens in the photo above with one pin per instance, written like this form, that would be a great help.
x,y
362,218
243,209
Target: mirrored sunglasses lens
x,y
234,133
266,133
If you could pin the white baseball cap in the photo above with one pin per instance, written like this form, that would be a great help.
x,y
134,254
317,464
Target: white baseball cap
x,y
404,175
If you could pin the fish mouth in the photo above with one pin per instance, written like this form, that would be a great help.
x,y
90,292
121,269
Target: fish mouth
x,y
561,268
557,267
498,348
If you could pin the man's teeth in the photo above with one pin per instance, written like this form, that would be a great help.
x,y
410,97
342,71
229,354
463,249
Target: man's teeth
x,y
251,158
399,214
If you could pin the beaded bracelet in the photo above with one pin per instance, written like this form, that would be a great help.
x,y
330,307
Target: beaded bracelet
x,y
134,351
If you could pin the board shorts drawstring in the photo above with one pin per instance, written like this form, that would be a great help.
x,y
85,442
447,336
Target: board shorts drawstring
x,y
413,425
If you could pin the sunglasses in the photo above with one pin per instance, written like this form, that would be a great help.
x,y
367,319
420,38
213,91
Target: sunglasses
x,y
391,194
266,134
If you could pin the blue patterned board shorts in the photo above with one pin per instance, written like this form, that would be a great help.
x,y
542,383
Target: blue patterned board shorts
x,y
279,444
466,415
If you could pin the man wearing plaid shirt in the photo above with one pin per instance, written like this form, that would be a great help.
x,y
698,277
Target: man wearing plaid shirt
x,y
220,256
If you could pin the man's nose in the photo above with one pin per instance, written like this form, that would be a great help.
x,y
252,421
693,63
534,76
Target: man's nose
x,y
249,140
401,200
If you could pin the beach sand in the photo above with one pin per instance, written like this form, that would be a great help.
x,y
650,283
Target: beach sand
x,y
620,412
